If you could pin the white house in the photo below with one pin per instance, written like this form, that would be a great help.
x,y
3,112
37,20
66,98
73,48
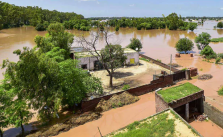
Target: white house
x,y
90,62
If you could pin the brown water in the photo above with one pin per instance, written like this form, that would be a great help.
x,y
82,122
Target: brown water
x,y
158,44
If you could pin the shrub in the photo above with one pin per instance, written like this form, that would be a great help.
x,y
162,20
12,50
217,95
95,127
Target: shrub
x,y
126,87
220,55
184,45
159,60
117,28
220,25
135,43
184,69
217,39
192,26
220,91
40,27
139,27
208,52
217,60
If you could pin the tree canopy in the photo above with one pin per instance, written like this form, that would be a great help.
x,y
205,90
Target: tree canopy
x,y
208,52
192,26
220,25
44,79
184,45
134,44
15,16
203,40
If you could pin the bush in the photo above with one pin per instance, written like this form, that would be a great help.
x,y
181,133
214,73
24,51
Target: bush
x,y
184,45
208,52
139,27
220,55
135,43
126,87
217,60
117,28
217,39
192,26
159,60
220,91
40,27
220,25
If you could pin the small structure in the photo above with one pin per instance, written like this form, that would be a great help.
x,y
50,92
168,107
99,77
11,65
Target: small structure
x,y
90,62
185,99
159,125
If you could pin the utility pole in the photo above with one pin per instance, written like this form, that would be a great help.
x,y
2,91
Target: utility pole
x,y
170,62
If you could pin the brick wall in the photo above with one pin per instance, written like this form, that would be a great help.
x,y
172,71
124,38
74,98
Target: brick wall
x,y
162,82
160,104
159,63
214,114
193,72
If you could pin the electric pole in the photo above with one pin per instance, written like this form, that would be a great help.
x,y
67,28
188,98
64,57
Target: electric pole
x,y
170,62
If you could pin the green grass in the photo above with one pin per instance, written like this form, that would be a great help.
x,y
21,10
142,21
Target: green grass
x,y
144,59
217,39
178,92
157,127
220,91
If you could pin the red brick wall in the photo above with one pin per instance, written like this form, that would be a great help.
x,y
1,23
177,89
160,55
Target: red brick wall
x,y
159,83
160,104
193,72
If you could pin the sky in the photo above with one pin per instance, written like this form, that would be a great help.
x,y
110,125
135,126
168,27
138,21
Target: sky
x,y
129,8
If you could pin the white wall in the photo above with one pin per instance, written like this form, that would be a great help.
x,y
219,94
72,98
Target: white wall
x,y
85,60
134,55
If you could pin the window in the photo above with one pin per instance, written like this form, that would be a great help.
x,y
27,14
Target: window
x,y
84,66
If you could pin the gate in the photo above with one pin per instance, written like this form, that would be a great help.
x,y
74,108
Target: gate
x,y
180,75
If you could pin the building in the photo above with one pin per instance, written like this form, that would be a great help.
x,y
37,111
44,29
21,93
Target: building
x,y
90,62
164,123
186,99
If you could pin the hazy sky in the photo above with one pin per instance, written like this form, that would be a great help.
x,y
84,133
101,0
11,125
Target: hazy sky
x,y
130,8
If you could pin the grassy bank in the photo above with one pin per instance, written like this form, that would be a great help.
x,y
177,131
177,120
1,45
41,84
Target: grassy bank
x,y
217,39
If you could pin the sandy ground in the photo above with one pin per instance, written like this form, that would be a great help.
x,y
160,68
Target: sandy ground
x,y
133,76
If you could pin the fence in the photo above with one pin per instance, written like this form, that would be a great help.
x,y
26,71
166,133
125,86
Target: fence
x,y
159,63
162,82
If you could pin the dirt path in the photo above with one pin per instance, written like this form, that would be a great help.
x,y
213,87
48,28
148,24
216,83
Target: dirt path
x,y
116,118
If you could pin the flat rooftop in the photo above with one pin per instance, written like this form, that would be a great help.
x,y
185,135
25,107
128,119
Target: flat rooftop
x,y
178,92
88,54
166,123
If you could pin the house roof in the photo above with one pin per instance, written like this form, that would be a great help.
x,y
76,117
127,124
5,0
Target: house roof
x,y
88,54
178,92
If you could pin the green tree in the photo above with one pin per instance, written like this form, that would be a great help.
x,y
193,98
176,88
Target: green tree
x,y
117,28
45,76
220,25
112,56
203,40
208,52
134,44
192,26
184,45
173,19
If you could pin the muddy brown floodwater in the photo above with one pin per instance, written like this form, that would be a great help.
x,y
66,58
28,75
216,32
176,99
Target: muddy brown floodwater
x,y
158,44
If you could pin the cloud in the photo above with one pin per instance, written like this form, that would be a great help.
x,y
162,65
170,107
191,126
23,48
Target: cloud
x,y
132,5
221,8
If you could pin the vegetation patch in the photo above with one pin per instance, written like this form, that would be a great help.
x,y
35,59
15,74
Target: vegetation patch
x,y
217,39
116,101
163,124
178,92
220,91
147,60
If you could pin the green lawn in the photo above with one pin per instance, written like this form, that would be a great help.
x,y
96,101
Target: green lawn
x,y
217,39
178,92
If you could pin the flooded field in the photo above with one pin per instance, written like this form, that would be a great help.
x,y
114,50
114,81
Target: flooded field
x,y
158,44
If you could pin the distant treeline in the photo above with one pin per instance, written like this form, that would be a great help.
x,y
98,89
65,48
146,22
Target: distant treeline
x,y
15,16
